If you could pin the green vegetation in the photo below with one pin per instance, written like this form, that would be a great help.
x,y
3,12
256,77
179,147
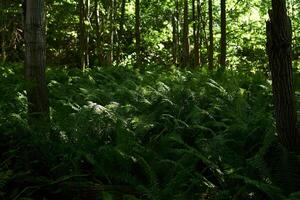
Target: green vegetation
x,y
165,134
147,100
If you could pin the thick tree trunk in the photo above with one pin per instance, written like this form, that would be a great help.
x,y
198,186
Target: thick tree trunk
x,y
185,39
35,63
137,33
211,37
279,39
223,35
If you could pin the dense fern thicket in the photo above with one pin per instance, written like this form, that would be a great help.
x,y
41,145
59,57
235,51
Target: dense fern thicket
x,y
162,134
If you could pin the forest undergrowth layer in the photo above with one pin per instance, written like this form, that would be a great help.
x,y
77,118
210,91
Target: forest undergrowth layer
x,y
161,134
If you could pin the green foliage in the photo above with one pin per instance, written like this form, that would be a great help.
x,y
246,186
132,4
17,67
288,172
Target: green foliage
x,y
161,134
157,134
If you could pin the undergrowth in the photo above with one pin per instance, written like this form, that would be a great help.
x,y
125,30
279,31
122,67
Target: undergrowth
x,y
158,135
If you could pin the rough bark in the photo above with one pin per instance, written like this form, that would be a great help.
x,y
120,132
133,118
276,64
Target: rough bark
x,y
211,37
223,35
35,63
279,39
185,39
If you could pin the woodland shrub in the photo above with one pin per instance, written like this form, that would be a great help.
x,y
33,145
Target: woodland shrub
x,y
164,134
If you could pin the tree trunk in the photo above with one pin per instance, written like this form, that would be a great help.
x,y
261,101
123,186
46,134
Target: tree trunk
x,y
194,30
279,39
35,63
99,33
121,30
3,31
204,37
185,42
175,21
84,8
87,27
198,36
137,33
111,38
211,37
223,35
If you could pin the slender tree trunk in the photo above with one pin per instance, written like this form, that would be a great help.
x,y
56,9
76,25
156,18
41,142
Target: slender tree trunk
x,y
87,27
3,45
35,63
198,34
174,48
196,31
279,39
211,37
204,37
82,33
121,30
223,35
84,9
185,39
111,38
178,31
98,32
180,18
137,33
175,34
3,31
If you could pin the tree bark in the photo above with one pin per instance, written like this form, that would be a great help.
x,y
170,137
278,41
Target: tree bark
x,y
137,33
194,30
121,30
99,33
3,30
111,38
279,39
197,34
84,9
87,28
175,21
223,35
35,63
204,38
211,37
185,42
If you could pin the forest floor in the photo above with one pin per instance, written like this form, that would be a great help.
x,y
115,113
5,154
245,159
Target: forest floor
x,y
162,134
